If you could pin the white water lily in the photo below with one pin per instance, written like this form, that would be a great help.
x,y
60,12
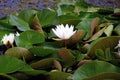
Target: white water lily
x,y
8,39
64,32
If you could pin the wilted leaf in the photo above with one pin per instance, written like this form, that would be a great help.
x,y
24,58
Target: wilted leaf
x,y
78,36
57,65
66,56
36,25
108,30
96,35
94,24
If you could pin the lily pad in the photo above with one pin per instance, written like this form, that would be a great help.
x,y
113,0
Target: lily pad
x,y
10,64
19,52
103,43
97,70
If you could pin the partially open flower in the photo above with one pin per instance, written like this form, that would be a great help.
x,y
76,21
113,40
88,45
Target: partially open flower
x,y
64,32
8,39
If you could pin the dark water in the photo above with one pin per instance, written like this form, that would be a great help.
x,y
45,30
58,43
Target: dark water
x,y
105,3
10,6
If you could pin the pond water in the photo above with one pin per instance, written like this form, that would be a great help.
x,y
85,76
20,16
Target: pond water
x,y
11,6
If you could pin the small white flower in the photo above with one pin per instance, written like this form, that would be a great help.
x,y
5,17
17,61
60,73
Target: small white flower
x,y
17,34
8,39
64,32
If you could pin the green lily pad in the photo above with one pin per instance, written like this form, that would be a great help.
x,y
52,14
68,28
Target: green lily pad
x,y
28,38
10,64
19,52
19,23
103,43
97,70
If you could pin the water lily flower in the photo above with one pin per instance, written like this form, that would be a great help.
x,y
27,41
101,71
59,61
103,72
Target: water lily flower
x,y
8,39
63,32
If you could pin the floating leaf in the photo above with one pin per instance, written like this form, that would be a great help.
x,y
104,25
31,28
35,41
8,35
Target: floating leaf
x,y
57,75
10,64
100,54
85,25
27,15
57,65
78,36
19,23
103,43
96,35
43,64
36,25
47,17
28,38
67,57
117,29
97,70
19,52
108,30
94,24
41,51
